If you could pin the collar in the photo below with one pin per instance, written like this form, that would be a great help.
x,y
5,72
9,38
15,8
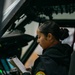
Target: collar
x,y
45,50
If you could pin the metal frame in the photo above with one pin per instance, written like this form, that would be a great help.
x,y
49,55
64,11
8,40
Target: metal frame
x,y
8,20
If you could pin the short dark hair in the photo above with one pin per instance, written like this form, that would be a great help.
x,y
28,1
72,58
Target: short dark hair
x,y
54,29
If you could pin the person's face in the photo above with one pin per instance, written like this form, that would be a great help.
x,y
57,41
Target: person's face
x,y
43,40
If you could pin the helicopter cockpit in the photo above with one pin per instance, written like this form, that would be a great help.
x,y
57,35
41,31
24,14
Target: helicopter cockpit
x,y
21,13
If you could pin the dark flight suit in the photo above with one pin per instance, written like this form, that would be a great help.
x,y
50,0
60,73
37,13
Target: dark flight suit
x,y
54,61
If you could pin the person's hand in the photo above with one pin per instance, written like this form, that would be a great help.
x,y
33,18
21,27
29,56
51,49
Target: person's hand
x,y
28,69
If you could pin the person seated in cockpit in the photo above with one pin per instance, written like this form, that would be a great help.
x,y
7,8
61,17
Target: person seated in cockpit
x,y
55,58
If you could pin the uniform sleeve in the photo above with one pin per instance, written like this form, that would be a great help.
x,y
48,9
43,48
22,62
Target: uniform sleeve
x,y
44,67
39,69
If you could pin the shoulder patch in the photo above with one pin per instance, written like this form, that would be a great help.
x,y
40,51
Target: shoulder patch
x,y
40,73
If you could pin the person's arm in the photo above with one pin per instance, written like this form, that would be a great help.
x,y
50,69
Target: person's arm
x,y
43,67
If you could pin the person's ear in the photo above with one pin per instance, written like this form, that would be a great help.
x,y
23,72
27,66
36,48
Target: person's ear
x,y
49,36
